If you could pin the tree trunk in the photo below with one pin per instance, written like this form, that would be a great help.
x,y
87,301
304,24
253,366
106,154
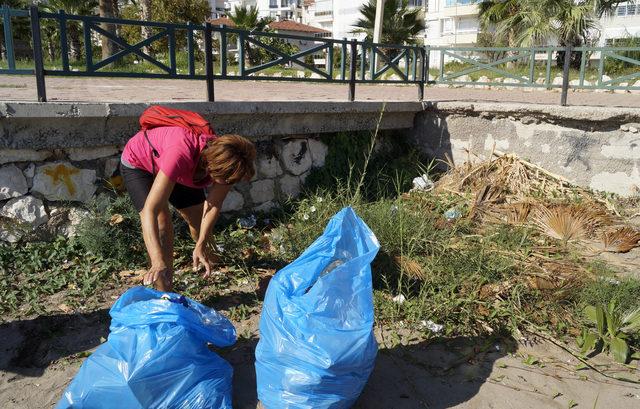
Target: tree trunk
x,y
145,9
74,42
108,46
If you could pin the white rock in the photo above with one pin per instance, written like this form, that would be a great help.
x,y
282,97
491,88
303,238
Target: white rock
x,y
606,78
110,166
423,183
63,181
23,155
290,185
557,81
75,216
635,85
399,299
12,182
233,202
25,209
79,154
29,171
269,167
315,75
262,191
633,129
394,77
318,152
510,81
624,127
296,156
482,80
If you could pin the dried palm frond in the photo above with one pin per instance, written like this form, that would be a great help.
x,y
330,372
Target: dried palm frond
x,y
518,213
411,267
566,223
621,240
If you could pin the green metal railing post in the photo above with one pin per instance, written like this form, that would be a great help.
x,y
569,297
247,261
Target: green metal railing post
x,y
8,36
208,61
190,53
363,62
603,55
343,60
64,48
372,62
532,66
565,75
423,52
414,64
548,73
352,69
223,51
37,54
329,61
241,54
171,33
88,49
583,65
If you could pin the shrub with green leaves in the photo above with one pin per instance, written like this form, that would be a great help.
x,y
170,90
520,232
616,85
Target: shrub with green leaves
x,y
612,331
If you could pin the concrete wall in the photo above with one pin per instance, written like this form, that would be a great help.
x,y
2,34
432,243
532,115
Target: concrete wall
x,y
57,155
592,147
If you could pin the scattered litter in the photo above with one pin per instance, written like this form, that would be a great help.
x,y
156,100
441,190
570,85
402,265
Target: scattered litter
x,y
432,326
394,210
220,248
305,217
611,280
452,214
248,222
497,347
399,299
312,209
423,183
116,219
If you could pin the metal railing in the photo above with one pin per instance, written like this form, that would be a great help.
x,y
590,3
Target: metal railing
x,y
207,52
346,61
533,67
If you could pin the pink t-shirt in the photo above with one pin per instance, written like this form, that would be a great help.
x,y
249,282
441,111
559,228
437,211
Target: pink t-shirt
x,y
179,151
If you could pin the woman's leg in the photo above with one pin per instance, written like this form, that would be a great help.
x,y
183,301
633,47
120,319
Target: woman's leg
x,y
165,227
193,216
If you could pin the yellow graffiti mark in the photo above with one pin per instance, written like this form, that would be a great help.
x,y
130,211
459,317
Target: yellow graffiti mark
x,y
62,173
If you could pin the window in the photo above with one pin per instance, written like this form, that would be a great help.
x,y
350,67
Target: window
x,y
273,4
284,3
452,3
447,26
622,11
323,13
631,9
415,3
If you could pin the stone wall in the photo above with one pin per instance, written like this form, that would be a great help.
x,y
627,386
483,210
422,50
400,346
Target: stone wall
x,y
597,148
45,190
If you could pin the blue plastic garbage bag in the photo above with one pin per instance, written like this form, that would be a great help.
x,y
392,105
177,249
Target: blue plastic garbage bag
x,y
317,347
156,356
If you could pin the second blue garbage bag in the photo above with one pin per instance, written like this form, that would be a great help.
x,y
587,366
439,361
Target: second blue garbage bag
x,y
317,347
156,356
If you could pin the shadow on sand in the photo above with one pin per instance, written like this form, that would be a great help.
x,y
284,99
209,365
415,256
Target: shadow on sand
x,y
432,374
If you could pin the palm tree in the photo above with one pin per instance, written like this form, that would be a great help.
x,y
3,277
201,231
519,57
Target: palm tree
x,y
493,12
246,18
78,7
401,24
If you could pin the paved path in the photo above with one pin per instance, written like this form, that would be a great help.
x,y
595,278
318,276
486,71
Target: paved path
x,y
22,88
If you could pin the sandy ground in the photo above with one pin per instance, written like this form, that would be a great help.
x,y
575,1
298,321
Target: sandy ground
x,y
22,88
39,357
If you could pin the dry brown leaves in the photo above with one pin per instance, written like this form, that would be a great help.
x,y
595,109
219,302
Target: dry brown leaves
x,y
621,239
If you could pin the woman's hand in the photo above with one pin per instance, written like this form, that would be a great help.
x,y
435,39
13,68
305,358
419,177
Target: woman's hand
x,y
160,275
203,256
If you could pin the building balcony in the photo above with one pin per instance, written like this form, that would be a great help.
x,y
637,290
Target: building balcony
x,y
469,10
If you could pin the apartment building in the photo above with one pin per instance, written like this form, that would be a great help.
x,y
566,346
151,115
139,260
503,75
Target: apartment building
x,y
275,9
452,22
623,22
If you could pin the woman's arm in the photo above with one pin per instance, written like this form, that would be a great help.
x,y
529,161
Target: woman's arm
x,y
157,200
211,211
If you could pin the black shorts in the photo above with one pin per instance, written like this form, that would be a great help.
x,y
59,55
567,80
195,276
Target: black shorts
x,y
138,183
